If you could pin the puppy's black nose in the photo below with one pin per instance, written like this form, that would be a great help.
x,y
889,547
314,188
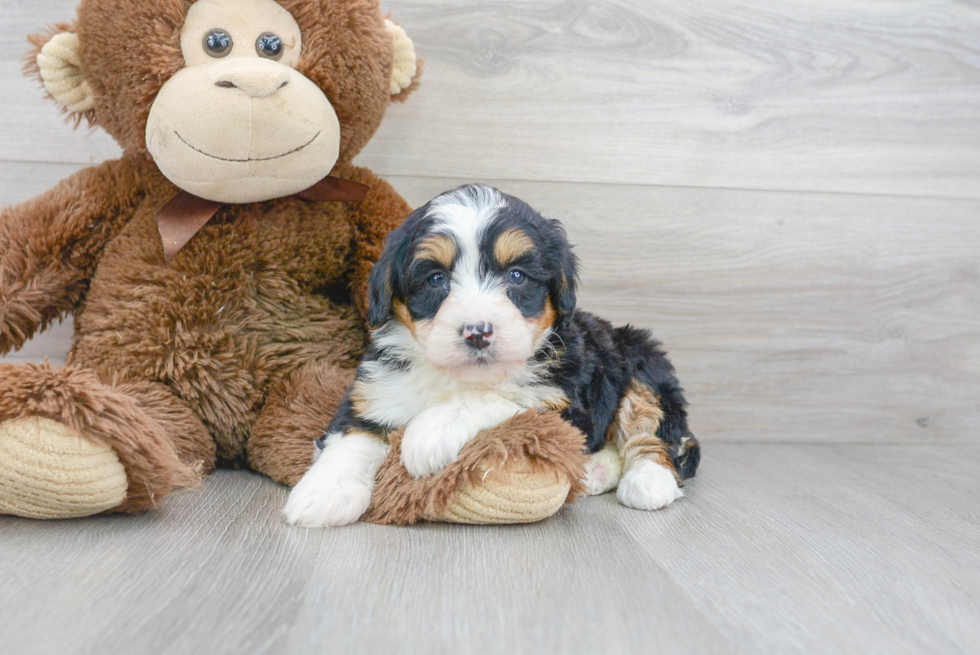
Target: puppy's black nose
x,y
479,335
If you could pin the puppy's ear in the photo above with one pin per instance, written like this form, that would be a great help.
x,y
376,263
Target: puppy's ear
x,y
386,281
564,282
381,288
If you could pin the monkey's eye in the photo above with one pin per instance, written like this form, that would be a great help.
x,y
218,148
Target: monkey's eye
x,y
269,45
437,279
517,277
218,43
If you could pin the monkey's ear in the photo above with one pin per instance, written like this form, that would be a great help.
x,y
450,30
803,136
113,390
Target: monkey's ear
x,y
407,67
60,69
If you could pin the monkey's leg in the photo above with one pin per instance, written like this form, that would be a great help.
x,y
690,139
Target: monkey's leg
x,y
72,446
296,413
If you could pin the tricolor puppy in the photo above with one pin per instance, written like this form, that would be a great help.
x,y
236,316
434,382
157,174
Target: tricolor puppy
x,y
473,301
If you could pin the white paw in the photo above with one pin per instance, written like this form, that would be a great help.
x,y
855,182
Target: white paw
x,y
648,485
322,504
432,442
602,471
337,489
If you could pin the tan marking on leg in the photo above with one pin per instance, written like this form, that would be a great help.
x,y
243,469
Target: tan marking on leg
x,y
510,245
364,433
557,404
439,249
362,396
359,393
634,430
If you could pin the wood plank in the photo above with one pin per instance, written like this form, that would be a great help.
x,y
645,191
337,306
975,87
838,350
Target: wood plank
x,y
848,549
790,316
761,556
837,95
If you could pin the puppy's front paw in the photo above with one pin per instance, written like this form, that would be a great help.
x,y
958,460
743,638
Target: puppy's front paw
x,y
311,506
431,444
648,485
337,489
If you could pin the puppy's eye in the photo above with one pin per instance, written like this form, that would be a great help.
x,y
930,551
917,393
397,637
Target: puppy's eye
x,y
437,279
517,277
269,46
218,43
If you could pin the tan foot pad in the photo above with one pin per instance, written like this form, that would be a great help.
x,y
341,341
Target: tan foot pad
x,y
527,496
49,471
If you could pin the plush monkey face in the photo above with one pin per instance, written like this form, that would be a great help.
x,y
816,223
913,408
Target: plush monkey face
x,y
239,123
235,100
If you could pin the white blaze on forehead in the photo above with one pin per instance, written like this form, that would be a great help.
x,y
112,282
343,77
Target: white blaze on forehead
x,y
474,295
465,215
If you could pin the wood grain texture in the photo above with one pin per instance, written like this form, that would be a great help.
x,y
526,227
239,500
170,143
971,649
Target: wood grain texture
x,y
790,316
843,95
762,556
786,192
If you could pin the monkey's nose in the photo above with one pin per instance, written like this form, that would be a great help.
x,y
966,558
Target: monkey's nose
x,y
256,81
479,335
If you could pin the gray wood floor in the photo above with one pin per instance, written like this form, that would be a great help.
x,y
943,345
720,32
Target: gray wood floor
x,y
776,549
787,193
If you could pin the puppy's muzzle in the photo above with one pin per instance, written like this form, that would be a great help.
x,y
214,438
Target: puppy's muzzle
x,y
478,336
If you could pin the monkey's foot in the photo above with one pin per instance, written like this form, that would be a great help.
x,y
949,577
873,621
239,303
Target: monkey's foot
x,y
50,471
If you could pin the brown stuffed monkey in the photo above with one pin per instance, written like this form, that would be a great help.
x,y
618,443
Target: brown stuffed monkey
x,y
217,271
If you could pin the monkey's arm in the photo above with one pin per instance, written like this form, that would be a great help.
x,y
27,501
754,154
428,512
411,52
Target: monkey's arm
x,y
374,217
50,246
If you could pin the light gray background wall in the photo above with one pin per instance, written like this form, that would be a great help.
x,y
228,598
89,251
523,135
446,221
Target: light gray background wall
x,y
788,193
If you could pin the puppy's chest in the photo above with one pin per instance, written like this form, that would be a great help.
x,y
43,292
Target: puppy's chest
x,y
393,399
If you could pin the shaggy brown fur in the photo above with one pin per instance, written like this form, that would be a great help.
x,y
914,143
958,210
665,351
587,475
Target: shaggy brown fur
x,y
294,416
173,362
77,399
239,348
540,436
190,438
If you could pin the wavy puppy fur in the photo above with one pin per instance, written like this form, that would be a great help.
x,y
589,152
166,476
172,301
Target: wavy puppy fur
x,y
473,305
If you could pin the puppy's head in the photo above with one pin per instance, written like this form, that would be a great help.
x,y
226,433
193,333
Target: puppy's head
x,y
478,279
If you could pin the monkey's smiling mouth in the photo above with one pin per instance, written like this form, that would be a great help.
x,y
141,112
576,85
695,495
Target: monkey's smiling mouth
x,y
244,161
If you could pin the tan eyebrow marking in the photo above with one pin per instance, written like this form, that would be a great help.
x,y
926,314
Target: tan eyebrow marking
x,y
510,245
439,249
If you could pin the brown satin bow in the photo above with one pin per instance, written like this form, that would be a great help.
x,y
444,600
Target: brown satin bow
x,y
181,218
